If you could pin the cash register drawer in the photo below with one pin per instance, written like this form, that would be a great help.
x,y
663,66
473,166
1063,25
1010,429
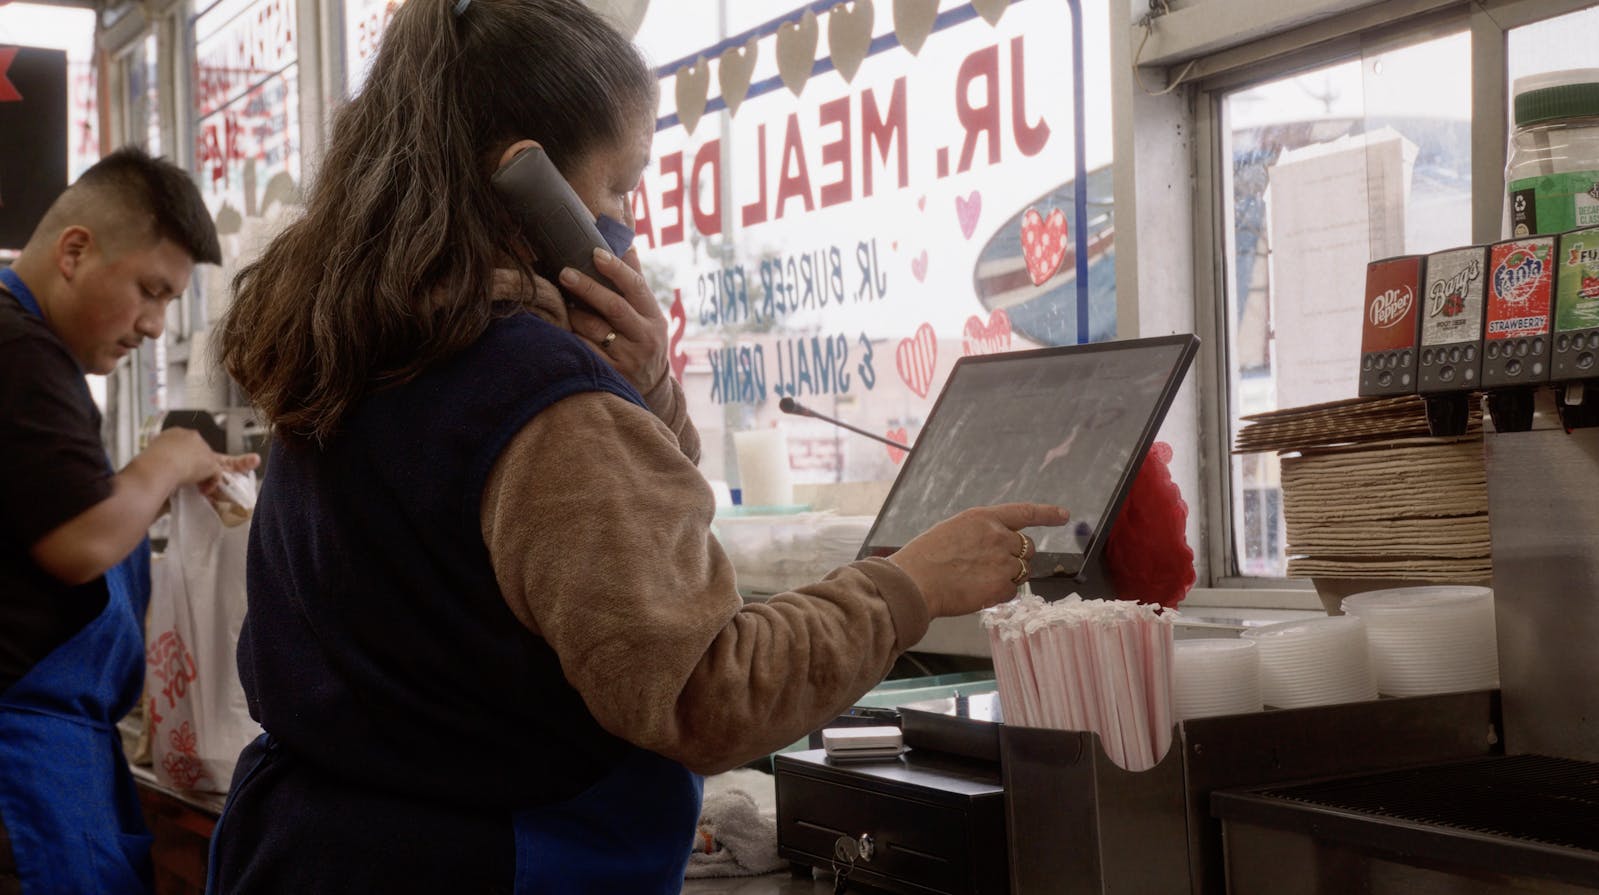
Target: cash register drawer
x,y
937,823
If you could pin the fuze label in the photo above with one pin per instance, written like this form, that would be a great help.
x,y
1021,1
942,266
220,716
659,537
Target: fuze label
x,y
1453,299
1577,287
1391,295
1519,289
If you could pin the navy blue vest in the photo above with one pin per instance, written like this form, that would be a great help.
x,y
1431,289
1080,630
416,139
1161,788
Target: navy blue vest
x,y
377,645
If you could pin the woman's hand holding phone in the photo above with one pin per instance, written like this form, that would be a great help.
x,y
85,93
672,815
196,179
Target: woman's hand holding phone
x,y
624,325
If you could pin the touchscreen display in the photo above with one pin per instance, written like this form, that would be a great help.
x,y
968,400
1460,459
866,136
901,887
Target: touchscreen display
x,y
1058,426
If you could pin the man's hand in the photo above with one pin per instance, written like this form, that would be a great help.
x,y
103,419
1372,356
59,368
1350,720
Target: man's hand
x,y
84,547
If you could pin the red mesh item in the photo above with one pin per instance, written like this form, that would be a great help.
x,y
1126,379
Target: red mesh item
x,y
1147,556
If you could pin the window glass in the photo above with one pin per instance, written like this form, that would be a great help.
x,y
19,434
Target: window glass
x,y
247,127
142,105
364,24
889,193
1325,171
1557,44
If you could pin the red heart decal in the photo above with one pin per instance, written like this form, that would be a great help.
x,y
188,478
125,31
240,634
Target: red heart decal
x,y
989,339
916,358
898,454
1043,243
919,267
967,210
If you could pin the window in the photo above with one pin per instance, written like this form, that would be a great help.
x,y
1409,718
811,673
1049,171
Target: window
x,y
364,24
246,129
1322,172
1563,42
247,111
140,110
855,224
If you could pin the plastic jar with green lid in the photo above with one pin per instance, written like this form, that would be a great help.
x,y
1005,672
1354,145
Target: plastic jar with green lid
x,y
1552,176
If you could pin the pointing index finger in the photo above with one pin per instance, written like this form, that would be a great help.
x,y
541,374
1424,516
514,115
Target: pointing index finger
x,y
1017,516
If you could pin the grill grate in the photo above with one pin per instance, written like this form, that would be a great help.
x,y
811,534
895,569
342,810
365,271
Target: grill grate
x,y
1531,798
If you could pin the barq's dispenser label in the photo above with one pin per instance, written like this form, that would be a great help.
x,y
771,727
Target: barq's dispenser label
x,y
1576,305
1388,340
1451,320
1520,290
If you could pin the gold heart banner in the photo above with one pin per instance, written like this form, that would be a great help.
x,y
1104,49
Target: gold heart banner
x,y
913,22
796,51
990,10
849,36
850,25
733,72
693,83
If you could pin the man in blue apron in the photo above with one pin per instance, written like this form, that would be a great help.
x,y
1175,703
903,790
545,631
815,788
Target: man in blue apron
x,y
92,283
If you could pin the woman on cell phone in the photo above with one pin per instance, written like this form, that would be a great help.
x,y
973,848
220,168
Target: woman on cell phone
x,y
490,637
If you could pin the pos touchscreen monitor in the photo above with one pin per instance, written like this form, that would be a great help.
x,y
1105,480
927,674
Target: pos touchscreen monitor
x,y
1067,426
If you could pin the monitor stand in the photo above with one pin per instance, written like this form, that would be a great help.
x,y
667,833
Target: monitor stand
x,y
1092,583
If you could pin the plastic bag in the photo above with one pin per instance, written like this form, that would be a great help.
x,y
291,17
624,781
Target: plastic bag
x,y
1147,554
198,719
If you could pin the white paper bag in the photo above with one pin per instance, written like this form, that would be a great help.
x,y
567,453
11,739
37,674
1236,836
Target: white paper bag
x,y
198,719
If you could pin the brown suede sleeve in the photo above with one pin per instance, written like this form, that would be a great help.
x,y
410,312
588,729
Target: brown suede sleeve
x,y
598,526
667,402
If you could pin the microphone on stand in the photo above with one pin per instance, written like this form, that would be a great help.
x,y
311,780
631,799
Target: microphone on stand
x,y
791,406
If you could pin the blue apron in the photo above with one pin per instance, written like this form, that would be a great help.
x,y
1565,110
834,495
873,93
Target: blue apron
x,y
67,799
287,827
629,833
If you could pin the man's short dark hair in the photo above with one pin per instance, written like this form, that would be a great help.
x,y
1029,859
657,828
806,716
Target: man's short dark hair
x,y
153,186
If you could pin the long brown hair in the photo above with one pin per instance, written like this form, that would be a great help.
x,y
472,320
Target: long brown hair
x,y
389,268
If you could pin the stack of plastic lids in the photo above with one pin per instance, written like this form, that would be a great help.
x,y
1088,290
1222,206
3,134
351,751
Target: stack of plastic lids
x,y
1430,639
1319,661
1216,676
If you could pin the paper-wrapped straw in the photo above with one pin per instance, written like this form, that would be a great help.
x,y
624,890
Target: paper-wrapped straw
x,y
1028,667
1051,685
1104,667
1005,675
1135,687
1083,656
1076,703
1015,699
1159,648
1100,666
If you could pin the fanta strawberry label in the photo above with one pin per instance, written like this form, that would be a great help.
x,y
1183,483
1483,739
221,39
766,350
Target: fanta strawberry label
x,y
1520,288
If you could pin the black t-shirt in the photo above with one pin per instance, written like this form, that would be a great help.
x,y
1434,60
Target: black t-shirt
x,y
52,468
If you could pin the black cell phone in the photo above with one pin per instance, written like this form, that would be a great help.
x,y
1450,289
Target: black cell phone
x,y
557,224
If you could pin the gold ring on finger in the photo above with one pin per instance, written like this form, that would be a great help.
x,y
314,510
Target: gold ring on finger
x,y
610,337
1021,573
1027,545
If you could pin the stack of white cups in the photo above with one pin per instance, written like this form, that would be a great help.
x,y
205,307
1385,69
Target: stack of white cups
x,y
1319,661
1216,676
1430,639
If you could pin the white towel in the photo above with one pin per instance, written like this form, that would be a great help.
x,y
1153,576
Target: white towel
x,y
737,834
